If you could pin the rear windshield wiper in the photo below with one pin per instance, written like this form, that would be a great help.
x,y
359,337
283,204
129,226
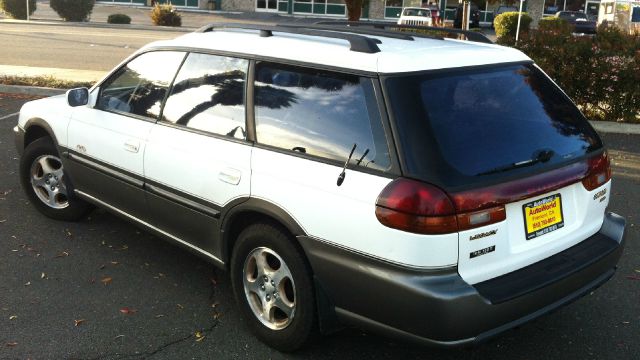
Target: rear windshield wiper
x,y
539,156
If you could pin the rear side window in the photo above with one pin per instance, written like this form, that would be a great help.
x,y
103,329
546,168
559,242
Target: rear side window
x,y
139,87
319,113
464,127
208,95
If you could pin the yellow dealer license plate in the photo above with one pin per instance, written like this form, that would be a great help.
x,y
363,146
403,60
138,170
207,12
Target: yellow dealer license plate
x,y
543,216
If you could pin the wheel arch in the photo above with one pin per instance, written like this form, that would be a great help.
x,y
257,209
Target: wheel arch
x,y
37,128
242,212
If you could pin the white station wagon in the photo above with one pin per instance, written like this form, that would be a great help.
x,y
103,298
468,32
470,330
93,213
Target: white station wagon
x,y
432,189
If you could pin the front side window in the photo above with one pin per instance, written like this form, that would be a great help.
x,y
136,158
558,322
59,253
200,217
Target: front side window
x,y
319,113
208,95
139,87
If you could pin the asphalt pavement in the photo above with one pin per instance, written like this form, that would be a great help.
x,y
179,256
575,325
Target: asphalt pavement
x,y
103,289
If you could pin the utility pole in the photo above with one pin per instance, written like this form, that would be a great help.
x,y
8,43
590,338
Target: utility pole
x,y
519,17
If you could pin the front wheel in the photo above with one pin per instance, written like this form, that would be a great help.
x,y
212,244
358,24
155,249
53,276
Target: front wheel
x,y
46,184
273,286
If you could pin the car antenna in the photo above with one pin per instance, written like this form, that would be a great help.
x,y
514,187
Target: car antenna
x,y
343,174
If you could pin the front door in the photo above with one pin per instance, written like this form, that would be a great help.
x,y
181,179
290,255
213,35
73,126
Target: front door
x,y
107,141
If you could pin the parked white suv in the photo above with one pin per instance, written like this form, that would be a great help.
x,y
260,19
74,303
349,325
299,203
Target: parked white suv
x,y
438,190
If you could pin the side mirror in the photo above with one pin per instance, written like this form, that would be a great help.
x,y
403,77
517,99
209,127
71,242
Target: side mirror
x,y
78,97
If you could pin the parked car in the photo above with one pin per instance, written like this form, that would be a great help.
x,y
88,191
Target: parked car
x,y
415,16
501,10
579,21
474,19
341,178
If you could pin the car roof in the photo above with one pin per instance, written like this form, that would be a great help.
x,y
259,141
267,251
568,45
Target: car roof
x,y
395,55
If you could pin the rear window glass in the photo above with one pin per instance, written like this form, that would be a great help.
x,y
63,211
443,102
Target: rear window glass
x,y
464,127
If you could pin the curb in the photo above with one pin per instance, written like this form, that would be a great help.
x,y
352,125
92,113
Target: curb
x,y
30,90
184,29
615,127
600,126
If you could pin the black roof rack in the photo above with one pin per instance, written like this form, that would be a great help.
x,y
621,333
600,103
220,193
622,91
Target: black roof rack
x,y
388,26
359,43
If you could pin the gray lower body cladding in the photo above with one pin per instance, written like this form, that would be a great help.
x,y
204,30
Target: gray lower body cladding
x,y
439,308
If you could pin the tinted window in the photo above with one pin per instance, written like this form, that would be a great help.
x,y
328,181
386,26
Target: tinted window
x,y
140,86
208,95
319,113
463,127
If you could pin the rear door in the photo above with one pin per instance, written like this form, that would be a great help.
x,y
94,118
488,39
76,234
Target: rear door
x,y
197,159
309,123
107,142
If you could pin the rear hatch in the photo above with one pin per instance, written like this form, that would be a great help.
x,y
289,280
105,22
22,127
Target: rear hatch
x,y
514,155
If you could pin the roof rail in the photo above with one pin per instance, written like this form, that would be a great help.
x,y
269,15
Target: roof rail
x,y
358,43
387,26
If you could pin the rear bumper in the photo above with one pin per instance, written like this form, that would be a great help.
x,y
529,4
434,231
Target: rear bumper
x,y
440,308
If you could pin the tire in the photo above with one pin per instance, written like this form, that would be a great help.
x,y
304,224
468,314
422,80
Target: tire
x,y
273,287
47,185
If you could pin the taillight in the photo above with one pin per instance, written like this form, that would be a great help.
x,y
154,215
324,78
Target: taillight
x,y
599,172
416,207
422,208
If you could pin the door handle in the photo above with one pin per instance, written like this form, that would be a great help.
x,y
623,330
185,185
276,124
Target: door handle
x,y
230,176
132,146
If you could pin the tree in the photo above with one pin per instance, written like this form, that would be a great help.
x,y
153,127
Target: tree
x,y
354,9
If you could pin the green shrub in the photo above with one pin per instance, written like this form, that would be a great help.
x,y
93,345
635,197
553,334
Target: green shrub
x,y
165,15
17,9
601,73
507,23
73,10
555,25
119,19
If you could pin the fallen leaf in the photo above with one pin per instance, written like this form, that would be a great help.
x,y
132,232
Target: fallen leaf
x,y
106,280
103,243
161,275
114,263
78,322
2,220
62,254
217,315
43,276
179,306
27,283
102,267
12,344
13,317
626,322
159,316
215,305
68,233
126,310
118,336
638,271
124,247
15,250
199,336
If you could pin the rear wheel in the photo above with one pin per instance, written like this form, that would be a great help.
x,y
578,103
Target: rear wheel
x,y
273,287
46,184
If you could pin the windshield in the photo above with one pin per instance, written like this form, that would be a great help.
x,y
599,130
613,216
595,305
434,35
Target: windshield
x,y
465,127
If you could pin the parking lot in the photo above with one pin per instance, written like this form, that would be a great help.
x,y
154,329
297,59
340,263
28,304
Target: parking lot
x,y
104,289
